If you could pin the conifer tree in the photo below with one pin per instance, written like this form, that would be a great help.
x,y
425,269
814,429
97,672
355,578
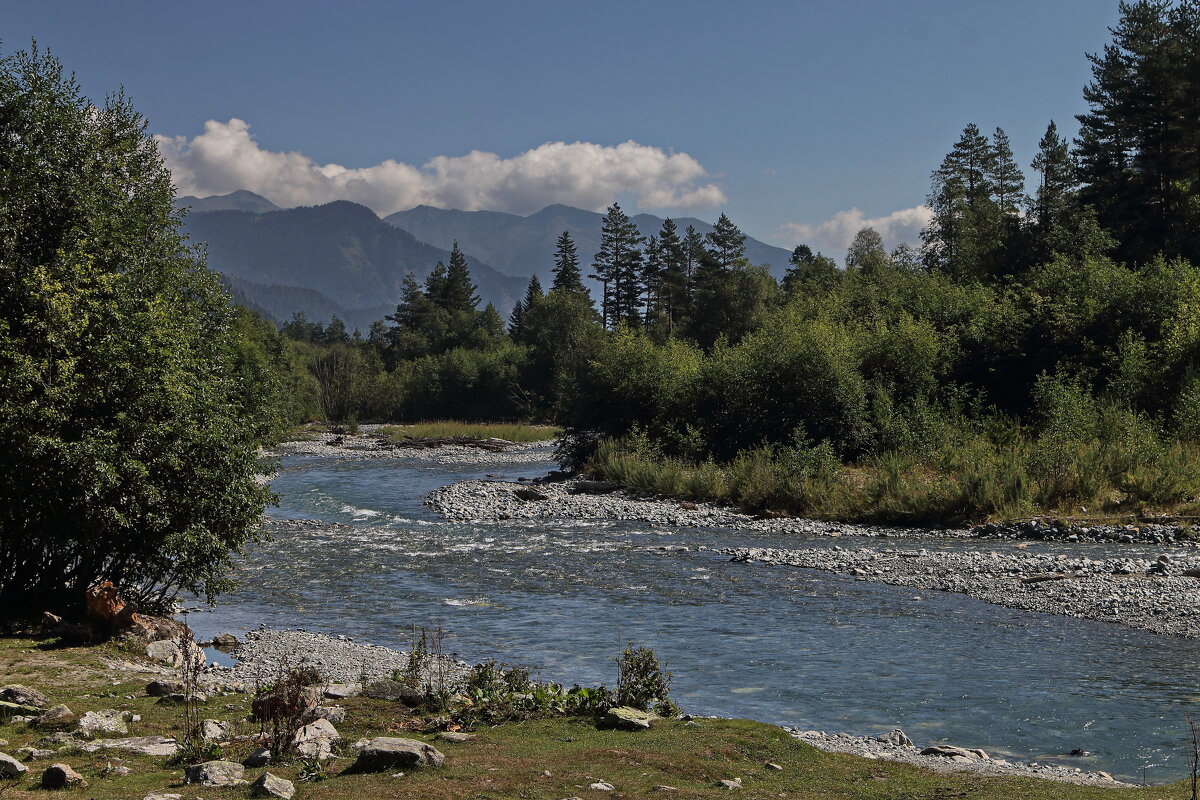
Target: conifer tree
x,y
674,282
617,265
963,235
1008,182
458,293
567,275
727,242
514,319
651,278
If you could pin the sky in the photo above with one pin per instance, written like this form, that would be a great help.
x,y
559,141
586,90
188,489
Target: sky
x,y
803,121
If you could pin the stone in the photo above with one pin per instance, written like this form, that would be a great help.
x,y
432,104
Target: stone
x,y
280,700
455,736
624,718
950,751
773,766
33,754
330,713
144,745
162,796
182,699
316,739
342,691
61,776
896,738
688,505
214,730
269,785
10,711
529,495
394,690
164,688
259,757
215,773
225,641
662,787
602,786
386,752
735,783
55,717
165,651
107,721
23,696
10,767
106,607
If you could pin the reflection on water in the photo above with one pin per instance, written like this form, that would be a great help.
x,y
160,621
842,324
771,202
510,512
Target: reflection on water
x,y
772,643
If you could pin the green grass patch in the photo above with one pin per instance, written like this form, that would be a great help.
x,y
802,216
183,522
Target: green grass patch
x,y
444,428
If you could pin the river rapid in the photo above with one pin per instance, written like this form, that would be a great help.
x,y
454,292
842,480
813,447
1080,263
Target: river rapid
x,y
791,646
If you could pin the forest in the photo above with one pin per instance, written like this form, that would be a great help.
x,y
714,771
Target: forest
x,y
1036,354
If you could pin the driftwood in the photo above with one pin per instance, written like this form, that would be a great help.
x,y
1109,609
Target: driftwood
x,y
430,442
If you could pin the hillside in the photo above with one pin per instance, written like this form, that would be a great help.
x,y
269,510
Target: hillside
x,y
339,255
523,245
241,200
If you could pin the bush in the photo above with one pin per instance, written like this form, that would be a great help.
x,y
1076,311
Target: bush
x,y
642,683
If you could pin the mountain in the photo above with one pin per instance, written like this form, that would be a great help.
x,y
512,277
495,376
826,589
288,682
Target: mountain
x,y
241,200
516,244
339,256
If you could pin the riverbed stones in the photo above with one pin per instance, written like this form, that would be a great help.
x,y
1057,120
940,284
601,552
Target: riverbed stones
x,y
624,718
269,785
10,767
61,776
386,752
23,696
215,773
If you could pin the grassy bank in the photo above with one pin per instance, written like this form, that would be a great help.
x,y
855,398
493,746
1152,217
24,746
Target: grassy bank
x,y
505,761
972,480
436,429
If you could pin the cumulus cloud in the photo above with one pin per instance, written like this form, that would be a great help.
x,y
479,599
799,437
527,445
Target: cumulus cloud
x,y
833,236
226,157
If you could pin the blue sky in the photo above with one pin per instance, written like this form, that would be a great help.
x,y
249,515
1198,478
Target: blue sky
x,y
790,113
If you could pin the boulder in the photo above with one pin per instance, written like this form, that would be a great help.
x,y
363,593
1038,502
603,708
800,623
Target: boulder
x,y
259,757
316,740
602,786
61,776
385,752
896,738
107,721
10,710
387,689
145,745
330,713
624,718
950,751
225,641
736,783
214,730
10,767
215,773
23,696
55,717
107,608
282,702
34,754
342,691
181,699
529,495
164,688
269,785
165,651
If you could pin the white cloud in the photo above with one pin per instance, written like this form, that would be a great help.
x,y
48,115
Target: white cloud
x,y
833,236
225,158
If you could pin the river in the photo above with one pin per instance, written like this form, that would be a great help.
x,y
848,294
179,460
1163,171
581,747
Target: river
x,y
777,644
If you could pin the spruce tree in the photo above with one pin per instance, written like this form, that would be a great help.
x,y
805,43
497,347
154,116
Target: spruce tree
x,y
674,281
458,293
651,278
567,275
1008,182
514,320
617,265
963,237
727,243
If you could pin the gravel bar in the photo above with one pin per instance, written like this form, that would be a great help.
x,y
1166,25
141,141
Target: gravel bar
x,y
367,444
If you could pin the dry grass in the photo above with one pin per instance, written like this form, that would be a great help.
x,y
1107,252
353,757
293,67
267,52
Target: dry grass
x,y
437,429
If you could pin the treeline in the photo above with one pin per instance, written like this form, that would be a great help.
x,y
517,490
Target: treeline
x,y
1037,351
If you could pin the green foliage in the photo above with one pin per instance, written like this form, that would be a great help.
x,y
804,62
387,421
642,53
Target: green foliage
x,y
642,683
129,432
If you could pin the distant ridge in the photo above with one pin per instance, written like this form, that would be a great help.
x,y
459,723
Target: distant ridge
x,y
241,200
524,245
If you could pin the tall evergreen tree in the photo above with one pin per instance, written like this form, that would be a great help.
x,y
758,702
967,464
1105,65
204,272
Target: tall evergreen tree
x,y
567,275
514,319
963,237
651,278
617,264
458,293
674,282
727,242
1008,182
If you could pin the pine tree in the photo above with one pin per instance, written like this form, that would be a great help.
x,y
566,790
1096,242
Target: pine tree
x,y
435,283
674,282
567,275
1008,182
533,292
693,253
809,272
964,237
617,265
651,278
727,243
1058,222
458,293
1057,181
514,320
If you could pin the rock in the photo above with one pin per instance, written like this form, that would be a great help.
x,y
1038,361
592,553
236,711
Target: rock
x,y
259,757
107,608
773,766
145,745
58,716
529,495
215,773
269,785
61,776
107,721
214,730
342,691
385,752
736,783
9,711
394,690
455,736
1074,753
330,713
602,786
225,641
33,754
267,704
950,751
164,688
625,718
688,505
896,738
181,699
10,767
316,740
161,796
165,651
662,787
23,696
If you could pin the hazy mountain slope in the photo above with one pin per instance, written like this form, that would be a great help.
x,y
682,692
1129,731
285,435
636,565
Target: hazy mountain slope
x,y
341,251
241,200
524,245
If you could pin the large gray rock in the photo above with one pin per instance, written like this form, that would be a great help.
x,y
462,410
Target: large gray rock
x,y
107,721
896,738
259,757
331,713
61,776
214,730
10,767
950,751
625,718
215,773
34,754
165,651
9,710
342,691
385,752
316,740
269,785
145,745
58,716
387,689
23,696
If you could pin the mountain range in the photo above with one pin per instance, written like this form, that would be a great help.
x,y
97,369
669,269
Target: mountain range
x,y
341,258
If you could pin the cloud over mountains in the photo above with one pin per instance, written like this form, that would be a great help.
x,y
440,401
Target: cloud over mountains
x,y
225,157
833,236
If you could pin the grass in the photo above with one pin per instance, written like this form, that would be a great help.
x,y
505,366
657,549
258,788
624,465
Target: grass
x,y
506,761
436,429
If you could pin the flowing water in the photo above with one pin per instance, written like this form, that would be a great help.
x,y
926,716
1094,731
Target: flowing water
x,y
777,644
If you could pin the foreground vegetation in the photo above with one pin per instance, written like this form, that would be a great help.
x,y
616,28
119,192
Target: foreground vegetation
x,y
502,761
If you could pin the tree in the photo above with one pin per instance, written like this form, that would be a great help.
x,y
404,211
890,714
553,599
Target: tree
x,y
129,455
964,237
727,242
457,294
809,272
674,271
1008,182
533,293
567,275
867,252
1058,221
617,265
